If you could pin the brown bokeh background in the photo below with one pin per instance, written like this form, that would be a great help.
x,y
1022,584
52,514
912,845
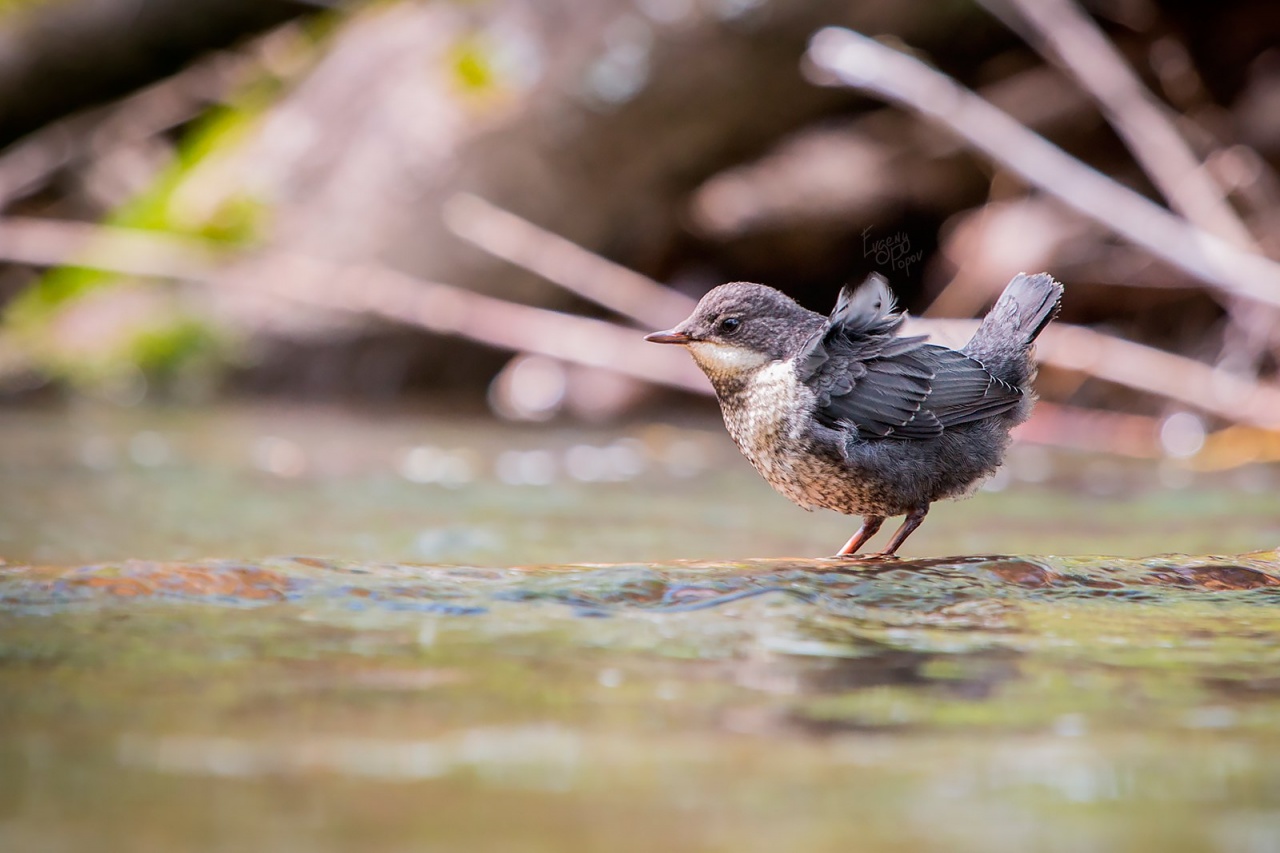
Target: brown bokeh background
x,y
485,203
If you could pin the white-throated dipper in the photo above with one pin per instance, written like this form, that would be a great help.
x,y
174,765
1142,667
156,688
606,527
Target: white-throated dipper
x,y
844,414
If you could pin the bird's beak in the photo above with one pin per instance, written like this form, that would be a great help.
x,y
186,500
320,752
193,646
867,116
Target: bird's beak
x,y
671,336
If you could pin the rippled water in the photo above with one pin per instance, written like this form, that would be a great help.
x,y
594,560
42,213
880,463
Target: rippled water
x,y
451,678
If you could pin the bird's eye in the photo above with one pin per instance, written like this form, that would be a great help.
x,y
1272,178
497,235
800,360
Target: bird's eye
x,y
729,325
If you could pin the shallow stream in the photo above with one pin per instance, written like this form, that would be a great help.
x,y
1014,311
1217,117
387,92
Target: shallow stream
x,y
305,630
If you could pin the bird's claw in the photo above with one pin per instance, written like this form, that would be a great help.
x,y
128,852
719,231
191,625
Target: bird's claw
x,y
863,558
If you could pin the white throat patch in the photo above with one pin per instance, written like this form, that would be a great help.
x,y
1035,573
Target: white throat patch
x,y
714,357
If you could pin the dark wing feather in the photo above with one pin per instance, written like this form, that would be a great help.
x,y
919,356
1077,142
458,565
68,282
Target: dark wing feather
x,y
892,386
964,390
885,399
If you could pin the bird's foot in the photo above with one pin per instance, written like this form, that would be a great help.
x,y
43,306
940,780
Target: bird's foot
x,y
851,558
863,558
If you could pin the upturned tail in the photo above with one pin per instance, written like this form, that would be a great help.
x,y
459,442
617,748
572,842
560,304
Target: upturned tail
x,y
1004,339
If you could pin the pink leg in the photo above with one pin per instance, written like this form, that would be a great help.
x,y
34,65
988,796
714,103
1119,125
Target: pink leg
x,y
913,520
870,524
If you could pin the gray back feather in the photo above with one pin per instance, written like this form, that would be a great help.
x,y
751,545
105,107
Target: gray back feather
x,y
1004,339
885,386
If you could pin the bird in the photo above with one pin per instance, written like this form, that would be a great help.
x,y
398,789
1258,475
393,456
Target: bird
x,y
845,413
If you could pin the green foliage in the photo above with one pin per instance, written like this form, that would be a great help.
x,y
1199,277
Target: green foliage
x,y
57,287
472,65
163,348
236,220
166,351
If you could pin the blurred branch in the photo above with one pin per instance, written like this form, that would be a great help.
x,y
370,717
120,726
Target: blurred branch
x,y
1126,363
863,170
1094,430
449,310
51,243
364,289
1138,436
860,62
518,241
1070,38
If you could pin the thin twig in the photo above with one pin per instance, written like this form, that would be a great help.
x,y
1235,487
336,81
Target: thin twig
x,y
519,241
860,62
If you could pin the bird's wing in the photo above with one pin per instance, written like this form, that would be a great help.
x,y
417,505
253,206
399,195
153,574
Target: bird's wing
x,y
891,386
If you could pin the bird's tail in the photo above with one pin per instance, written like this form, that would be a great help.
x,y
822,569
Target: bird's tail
x,y
1004,339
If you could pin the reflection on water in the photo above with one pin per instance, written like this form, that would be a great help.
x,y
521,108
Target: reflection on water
x,y
454,680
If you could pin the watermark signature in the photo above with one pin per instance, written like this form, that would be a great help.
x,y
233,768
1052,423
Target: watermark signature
x,y
893,252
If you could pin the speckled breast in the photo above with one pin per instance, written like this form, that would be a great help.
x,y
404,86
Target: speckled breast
x,y
768,420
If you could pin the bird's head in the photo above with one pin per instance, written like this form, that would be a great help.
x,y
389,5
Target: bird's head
x,y
740,328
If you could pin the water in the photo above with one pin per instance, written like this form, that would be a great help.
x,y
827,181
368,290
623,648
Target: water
x,y
303,630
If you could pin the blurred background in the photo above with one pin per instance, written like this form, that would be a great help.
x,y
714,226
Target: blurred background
x,y
366,283
472,210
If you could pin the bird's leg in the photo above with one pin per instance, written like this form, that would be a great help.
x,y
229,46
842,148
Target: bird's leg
x,y
870,524
908,527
